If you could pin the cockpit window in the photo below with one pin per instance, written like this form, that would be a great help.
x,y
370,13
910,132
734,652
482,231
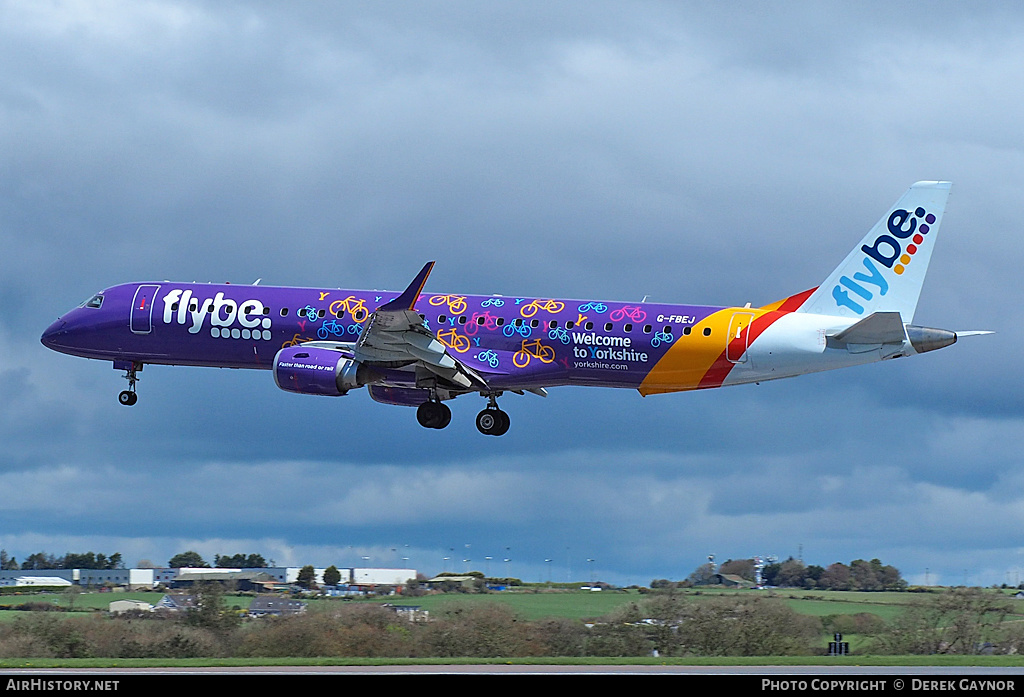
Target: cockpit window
x,y
95,301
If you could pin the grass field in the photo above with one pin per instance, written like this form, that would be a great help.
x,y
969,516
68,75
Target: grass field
x,y
538,604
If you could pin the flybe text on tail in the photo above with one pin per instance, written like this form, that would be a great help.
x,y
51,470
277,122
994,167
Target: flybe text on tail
x,y
885,272
904,228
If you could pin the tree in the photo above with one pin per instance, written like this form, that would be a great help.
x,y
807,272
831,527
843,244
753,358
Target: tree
x,y
209,611
702,575
836,577
7,563
306,577
744,568
189,560
332,576
239,561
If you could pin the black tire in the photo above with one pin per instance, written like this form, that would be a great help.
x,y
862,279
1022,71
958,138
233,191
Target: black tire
x,y
446,415
487,421
503,423
127,398
433,415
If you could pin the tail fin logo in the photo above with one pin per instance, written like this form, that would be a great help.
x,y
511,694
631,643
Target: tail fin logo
x,y
888,250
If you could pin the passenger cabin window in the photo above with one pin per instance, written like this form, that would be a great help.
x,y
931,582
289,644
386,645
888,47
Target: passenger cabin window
x,y
607,326
707,331
95,301
647,329
686,331
589,325
441,319
284,311
628,327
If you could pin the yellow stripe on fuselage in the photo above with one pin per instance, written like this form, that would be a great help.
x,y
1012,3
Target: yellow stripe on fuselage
x,y
692,356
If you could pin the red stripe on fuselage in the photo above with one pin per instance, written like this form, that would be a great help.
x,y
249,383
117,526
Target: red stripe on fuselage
x,y
722,366
793,302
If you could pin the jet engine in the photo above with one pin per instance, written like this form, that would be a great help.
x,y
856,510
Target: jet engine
x,y
320,371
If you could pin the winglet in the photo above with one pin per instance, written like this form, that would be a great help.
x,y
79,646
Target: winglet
x,y
407,300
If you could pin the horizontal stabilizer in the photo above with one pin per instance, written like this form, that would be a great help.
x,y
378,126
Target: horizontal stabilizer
x,y
874,330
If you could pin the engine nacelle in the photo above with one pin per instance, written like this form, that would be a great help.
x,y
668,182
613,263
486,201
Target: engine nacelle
x,y
318,371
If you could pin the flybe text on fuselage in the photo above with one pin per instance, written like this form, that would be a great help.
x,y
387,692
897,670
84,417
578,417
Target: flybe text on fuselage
x,y
888,250
182,307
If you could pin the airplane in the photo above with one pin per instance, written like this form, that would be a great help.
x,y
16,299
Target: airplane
x,y
420,350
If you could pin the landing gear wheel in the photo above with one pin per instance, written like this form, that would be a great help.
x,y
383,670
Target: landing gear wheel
x,y
433,415
131,374
493,422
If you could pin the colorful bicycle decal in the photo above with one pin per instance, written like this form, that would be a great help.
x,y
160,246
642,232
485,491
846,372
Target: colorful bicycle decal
x,y
490,323
493,302
456,303
551,306
296,340
631,312
559,334
453,340
530,350
356,307
524,330
331,328
596,307
659,338
489,357
310,313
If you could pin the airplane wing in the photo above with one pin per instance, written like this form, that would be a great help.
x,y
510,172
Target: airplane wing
x,y
395,337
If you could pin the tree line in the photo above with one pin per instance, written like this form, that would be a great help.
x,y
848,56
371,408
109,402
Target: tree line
x,y
858,575
42,560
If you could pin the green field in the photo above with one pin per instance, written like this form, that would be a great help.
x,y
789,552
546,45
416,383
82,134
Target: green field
x,y
534,604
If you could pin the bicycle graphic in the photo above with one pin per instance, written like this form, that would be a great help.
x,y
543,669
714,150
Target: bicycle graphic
x,y
530,350
524,330
551,306
474,325
310,313
489,357
356,307
331,328
296,340
559,334
493,302
456,303
453,340
659,338
599,308
630,312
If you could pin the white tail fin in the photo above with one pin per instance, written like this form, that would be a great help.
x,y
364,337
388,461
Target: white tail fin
x,y
885,272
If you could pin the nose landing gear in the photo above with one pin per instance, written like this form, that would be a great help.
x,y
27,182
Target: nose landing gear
x,y
131,374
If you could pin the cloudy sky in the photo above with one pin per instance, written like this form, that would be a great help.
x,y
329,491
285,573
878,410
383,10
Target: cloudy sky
x,y
712,153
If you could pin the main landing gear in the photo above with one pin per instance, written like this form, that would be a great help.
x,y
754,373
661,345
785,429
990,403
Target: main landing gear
x,y
131,374
492,421
434,414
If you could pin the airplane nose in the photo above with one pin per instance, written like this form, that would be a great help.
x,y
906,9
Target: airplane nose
x,y
50,337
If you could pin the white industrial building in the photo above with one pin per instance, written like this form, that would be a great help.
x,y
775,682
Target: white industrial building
x,y
150,578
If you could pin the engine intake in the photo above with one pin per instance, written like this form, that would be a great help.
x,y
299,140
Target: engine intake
x,y
318,371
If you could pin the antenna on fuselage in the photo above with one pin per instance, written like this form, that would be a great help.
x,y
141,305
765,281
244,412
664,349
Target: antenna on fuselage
x,y
257,281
